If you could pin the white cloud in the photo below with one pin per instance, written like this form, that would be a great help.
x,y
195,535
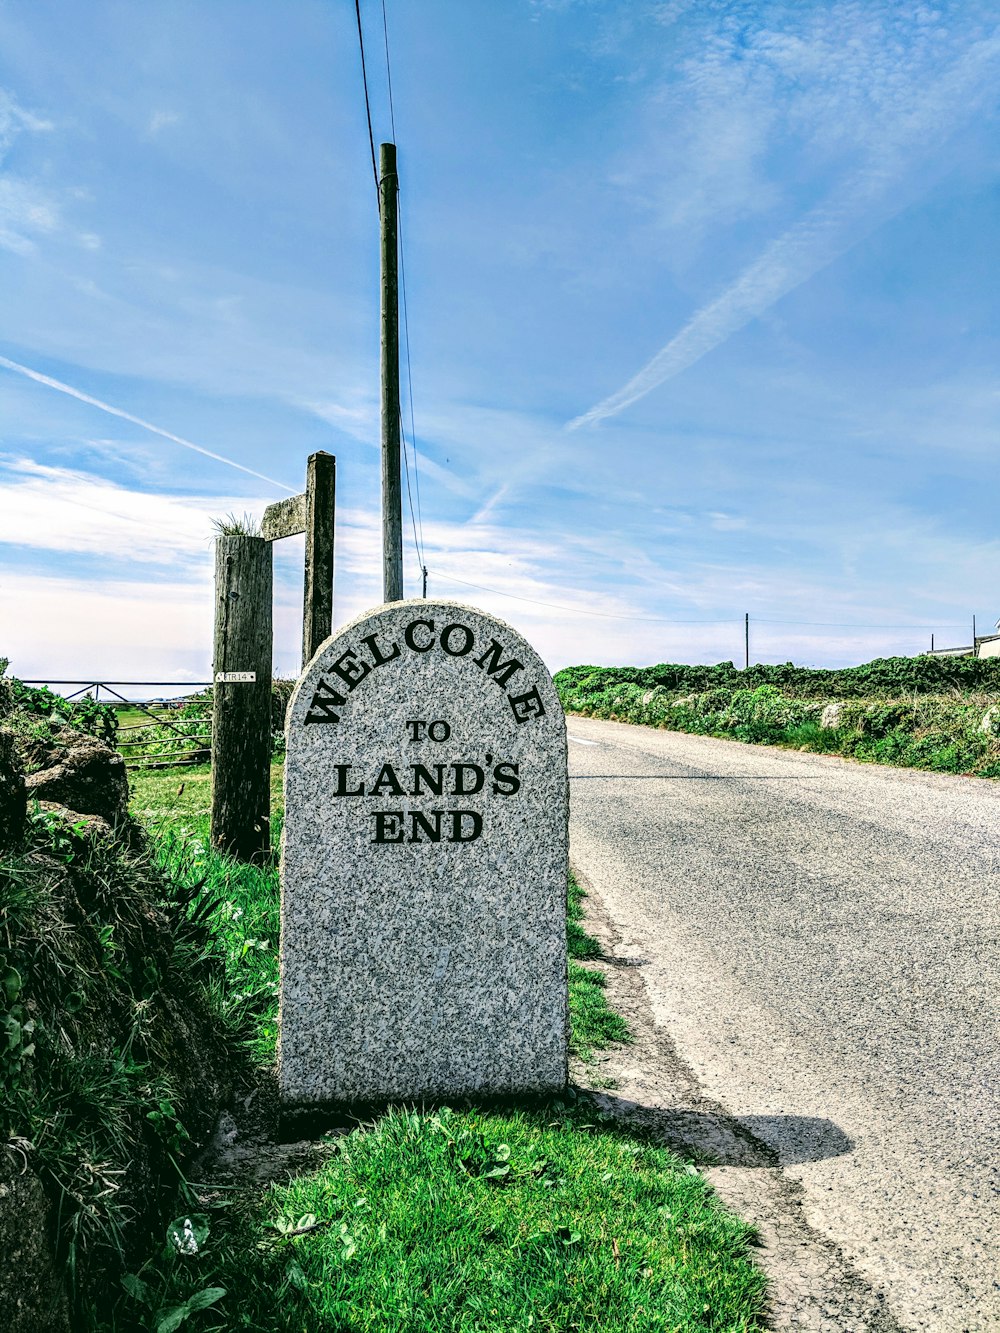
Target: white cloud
x,y
25,212
25,209
68,627
903,120
56,509
68,389
161,120
15,119
149,617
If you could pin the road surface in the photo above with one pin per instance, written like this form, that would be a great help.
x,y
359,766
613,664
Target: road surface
x,y
819,940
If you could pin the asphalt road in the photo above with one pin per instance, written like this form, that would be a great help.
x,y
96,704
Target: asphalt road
x,y
820,941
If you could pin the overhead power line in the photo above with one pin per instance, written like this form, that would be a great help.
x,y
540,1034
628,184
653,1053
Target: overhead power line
x,y
409,493
388,72
409,391
368,107
850,624
416,517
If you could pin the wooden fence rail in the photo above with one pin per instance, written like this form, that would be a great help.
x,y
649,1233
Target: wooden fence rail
x,y
192,736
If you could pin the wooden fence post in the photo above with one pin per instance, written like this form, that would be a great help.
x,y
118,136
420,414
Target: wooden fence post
x,y
241,699
320,517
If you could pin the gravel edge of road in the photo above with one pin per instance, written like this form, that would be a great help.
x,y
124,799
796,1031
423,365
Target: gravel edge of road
x,y
931,777
813,1287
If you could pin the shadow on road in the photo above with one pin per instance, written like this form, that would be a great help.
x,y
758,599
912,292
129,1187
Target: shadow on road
x,y
695,777
710,1138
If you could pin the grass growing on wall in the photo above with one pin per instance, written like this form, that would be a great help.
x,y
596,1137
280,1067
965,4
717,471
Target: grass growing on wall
x,y
458,1220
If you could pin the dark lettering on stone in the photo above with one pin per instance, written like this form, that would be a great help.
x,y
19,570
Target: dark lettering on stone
x,y
325,699
458,830
506,780
528,705
410,635
349,669
389,826
422,777
378,656
387,781
340,788
423,822
478,778
490,661
448,635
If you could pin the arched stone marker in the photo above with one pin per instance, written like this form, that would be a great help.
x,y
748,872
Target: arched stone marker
x,y
424,860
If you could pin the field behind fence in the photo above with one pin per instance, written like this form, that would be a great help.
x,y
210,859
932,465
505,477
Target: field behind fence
x,y
162,723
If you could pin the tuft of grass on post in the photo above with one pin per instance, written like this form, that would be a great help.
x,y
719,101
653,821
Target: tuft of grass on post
x,y
236,525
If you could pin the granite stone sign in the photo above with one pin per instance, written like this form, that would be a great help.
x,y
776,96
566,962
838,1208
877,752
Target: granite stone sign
x,y
424,858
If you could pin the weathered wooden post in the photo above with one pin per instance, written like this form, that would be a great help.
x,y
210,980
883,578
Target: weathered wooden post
x,y
241,703
314,513
321,500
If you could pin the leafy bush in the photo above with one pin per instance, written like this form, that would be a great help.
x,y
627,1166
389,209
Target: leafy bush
x,y
950,733
50,712
888,676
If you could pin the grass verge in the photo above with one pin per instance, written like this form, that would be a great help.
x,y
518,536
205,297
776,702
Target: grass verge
x,y
936,733
458,1220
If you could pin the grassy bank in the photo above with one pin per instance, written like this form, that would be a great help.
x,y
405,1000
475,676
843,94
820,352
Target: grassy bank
x,y
948,721
457,1219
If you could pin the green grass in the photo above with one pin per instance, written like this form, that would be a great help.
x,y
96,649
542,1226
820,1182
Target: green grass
x,y
594,1025
458,1220
476,1222
246,919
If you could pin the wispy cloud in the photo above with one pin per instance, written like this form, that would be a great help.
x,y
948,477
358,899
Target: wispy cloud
x,y
68,511
14,118
161,120
58,385
918,129
25,209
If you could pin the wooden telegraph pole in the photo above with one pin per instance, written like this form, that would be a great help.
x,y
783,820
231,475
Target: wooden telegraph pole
x,y
746,637
392,498
241,698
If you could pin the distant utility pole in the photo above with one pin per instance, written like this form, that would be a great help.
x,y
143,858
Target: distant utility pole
x,y
392,497
425,580
746,636
973,636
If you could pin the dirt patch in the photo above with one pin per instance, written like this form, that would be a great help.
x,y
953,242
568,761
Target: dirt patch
x,y
648,1085
247,1148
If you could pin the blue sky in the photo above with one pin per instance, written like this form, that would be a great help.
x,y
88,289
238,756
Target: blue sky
x,y
703,305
